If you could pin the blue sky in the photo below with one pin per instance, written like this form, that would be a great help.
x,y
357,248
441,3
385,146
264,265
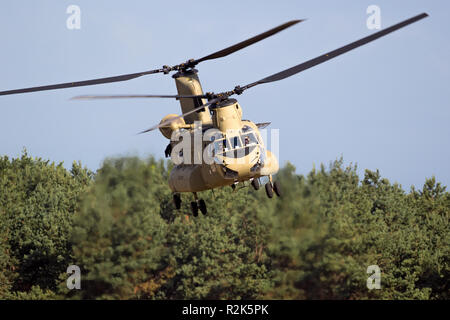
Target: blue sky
x,y
384,105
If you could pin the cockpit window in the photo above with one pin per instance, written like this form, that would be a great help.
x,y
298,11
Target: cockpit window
x,y
235,142
248,136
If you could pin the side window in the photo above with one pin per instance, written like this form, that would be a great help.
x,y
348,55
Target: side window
x,y
221,146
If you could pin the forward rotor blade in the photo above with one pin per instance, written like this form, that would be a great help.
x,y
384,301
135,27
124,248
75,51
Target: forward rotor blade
x,y
167,122
332,54
82,83
246,43
218,54
174,96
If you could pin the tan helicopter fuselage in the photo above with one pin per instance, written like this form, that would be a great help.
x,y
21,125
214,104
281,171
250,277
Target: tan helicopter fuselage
x,y
238,152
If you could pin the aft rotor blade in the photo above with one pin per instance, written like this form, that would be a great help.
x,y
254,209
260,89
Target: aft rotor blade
x,y
246,43
139,96
82,83
332,54
169,121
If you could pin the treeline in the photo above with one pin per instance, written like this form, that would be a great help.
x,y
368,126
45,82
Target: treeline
x,y
120,227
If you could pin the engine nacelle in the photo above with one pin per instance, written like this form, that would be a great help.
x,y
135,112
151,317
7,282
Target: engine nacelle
x,y
173,126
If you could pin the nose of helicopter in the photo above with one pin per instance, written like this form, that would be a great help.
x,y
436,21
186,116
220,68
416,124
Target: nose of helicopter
x,y
243,160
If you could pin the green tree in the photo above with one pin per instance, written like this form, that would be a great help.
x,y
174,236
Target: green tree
x,y
130,242
346,225
121,228
37,203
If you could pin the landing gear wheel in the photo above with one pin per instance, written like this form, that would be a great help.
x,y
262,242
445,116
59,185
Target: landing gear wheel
x,y
255,184
194,208
269,190
177,201
276,188
202,207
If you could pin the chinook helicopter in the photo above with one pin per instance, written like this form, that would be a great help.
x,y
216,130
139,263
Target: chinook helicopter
x,y
234,148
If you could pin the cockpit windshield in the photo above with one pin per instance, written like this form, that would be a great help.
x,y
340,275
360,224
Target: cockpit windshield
x,y
245,138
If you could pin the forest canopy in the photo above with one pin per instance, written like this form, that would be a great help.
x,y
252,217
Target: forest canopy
x,y
120,227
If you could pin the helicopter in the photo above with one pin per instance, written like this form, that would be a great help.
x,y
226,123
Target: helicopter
x,y
228,150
